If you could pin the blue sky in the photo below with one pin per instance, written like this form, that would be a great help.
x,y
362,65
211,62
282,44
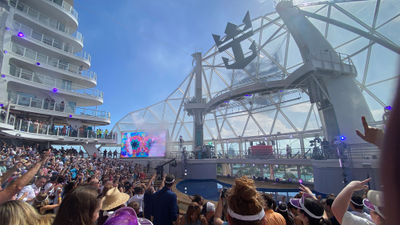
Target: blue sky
x,y
141,49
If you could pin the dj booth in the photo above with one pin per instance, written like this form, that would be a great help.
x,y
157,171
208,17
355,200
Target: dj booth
x,y
261,151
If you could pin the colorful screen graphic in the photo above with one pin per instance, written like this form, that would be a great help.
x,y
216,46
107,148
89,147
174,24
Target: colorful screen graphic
x,y
143,144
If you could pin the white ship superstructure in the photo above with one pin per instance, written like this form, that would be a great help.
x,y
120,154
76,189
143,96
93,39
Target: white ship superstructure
x,y
47,91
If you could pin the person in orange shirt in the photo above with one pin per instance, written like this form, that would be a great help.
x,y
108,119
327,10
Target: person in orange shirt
x,y
272,217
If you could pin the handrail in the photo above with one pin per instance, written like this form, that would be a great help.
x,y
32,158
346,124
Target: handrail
x,y
248,82
324,57
92,112
53,82
45,128
33,35
45,20
353,151
65,7
41,58
51,105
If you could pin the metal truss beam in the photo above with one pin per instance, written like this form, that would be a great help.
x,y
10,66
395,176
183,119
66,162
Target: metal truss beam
x,y
367,35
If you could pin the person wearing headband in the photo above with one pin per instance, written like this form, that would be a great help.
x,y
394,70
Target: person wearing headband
x,y
357,207
245,205
311,210
342,201
165,205
285,212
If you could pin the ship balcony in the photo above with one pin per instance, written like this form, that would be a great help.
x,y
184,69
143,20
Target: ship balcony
x,y
31,57
75,92
48,106
35,18
23,32
67,10
44,131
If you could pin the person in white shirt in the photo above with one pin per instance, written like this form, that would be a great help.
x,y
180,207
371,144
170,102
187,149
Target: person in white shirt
x,y
342,201
351,219
138,197
357,207
32,190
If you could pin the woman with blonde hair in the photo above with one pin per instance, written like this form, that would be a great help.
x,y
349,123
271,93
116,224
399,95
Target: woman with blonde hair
x,y
80,207
21,213
245,206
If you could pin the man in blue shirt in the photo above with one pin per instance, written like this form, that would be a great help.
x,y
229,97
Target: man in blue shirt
x,y
165,205
74,172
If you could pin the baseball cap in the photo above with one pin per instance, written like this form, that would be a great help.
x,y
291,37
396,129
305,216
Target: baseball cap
x,y
210,207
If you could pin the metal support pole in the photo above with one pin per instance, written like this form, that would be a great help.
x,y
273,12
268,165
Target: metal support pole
x,y
302,148
8,113
271,172
198,114
240,147
298,172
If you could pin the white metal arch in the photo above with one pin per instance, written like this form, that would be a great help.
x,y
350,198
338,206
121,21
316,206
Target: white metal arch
x,y
368,42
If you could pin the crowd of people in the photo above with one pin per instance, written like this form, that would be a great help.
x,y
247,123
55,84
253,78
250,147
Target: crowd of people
x,y
56,176
243,204
50,186
110,153
47,186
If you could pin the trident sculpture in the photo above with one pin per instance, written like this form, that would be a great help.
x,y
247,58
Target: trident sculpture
x,y
233,37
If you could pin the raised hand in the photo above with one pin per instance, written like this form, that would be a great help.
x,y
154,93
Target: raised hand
x,y
305,189
371,135
357,185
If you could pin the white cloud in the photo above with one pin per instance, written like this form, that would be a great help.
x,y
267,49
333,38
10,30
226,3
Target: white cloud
x,y
300,108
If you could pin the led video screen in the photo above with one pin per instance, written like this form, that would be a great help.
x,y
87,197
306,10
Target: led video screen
x,y
143,144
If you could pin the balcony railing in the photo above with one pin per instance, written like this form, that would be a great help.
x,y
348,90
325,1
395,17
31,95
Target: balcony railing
x,y
51,105
54,62
34,35
92,112
53,82
45,20
65,6
43,128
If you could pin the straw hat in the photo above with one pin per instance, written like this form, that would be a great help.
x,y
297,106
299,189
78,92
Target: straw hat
x,y
114,198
